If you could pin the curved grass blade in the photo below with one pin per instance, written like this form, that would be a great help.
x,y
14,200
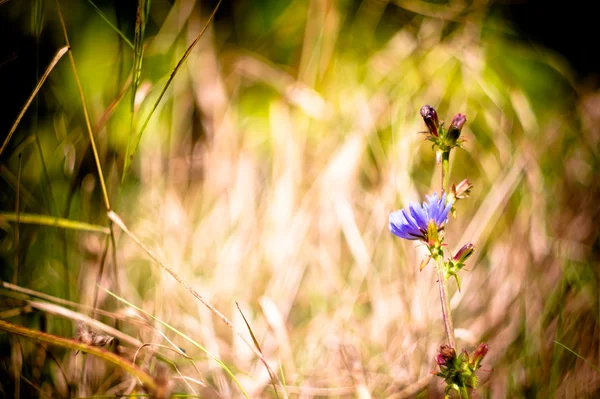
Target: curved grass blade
x,y
70,343
129,155
196,344
49,69
43,220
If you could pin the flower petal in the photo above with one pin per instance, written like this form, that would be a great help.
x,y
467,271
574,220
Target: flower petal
x,y
412,223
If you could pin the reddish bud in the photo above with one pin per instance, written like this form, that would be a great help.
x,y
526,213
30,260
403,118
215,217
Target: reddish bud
x,y
430,118
445,356
456,126
463,254
480,352
478,355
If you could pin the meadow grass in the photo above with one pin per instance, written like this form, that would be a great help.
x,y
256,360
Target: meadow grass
x,y
227,183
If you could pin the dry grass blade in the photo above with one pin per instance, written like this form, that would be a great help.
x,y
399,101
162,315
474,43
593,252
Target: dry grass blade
x,y
44,220
71,315
130,155
176,331
64,302
68,343
117,220
258,347
53,63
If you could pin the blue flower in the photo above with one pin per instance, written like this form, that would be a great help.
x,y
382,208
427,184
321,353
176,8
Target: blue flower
x,y
413,224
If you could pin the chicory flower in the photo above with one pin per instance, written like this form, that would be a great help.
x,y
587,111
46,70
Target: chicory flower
x,y
414,223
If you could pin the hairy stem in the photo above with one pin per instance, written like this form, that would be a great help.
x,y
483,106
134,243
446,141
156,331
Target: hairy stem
x,y
443,286
445,170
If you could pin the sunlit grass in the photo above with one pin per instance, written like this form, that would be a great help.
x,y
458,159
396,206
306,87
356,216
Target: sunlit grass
x,y
259,170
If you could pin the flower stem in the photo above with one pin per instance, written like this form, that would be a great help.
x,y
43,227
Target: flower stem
x,y
443,286
464,392
445,170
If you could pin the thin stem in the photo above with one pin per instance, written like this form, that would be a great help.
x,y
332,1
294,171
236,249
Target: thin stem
x,y
85,111
464,392
443,286
445,170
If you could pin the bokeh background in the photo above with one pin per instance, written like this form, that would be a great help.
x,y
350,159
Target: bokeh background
x,y
264,180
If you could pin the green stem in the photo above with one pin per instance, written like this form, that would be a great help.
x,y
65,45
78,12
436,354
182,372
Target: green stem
x,y
443,287
445,170
464,392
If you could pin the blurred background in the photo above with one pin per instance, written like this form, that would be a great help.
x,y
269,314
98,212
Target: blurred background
x,y
264,177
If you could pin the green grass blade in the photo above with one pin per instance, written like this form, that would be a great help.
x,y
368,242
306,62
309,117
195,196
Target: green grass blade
x,y
579,356
138,47
143,7
105,18
130,154
84,108
29,218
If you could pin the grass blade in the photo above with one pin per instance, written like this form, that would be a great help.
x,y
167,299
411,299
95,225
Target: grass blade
x,y
117,220
49,69
69,343
105,18
138,55
258,347
85,111
138,138
578,355
176,331
43,220
138,46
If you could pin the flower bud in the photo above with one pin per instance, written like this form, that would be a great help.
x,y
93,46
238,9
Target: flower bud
x,y
431,119
445,355
479,354
462,190
457,124
481,351
463,254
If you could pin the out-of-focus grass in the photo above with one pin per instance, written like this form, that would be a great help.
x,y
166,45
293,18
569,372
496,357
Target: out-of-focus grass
x,y
265,178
